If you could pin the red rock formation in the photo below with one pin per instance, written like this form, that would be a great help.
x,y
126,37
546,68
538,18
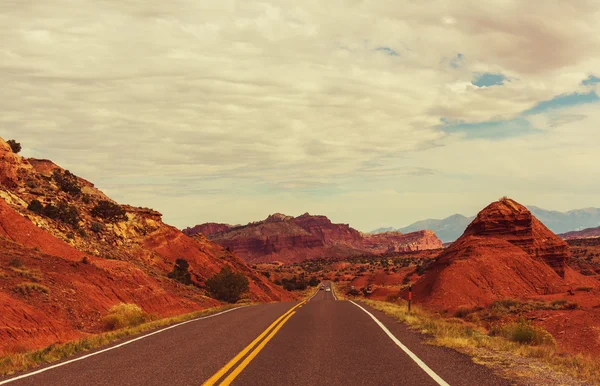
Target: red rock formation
x,y
505,253
398,242
207,229
510,221
293,239
588,233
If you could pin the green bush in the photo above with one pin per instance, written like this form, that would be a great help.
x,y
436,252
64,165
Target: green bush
x,y
124,315
67,182
63,212
35,206
524,332
109,211
97,227
181,272
14,145
227,285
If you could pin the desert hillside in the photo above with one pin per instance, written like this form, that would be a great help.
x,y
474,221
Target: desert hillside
x,y
69,253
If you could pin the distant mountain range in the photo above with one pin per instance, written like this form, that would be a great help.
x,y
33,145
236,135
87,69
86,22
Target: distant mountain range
x,y
451,228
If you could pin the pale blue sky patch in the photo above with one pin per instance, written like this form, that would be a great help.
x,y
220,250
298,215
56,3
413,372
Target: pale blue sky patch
x,y
500,129
488,79
562,101
387,51
591,80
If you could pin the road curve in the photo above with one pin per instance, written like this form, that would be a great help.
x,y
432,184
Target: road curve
x,y
319,342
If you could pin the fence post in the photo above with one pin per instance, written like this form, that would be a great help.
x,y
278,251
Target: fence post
x,y
409,296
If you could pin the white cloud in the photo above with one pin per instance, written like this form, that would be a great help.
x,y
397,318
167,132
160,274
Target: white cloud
x,y
253,105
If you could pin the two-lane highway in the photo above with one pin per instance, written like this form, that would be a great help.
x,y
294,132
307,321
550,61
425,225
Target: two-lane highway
x,y
321,341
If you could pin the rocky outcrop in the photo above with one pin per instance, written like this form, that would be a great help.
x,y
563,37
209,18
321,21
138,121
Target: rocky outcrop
x,y
504,253
510,221
292,239
583,234
207,229
390,242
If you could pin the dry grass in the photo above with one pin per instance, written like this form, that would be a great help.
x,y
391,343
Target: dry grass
x,y
124,315
31,274
511,339
22,361
29,289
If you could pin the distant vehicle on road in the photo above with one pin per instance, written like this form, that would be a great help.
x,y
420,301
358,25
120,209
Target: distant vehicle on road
x,y
328,289
322,288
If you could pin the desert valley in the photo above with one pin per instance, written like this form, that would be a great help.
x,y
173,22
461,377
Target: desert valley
x,y
70,255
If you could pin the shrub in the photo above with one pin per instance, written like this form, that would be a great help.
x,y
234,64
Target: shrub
x,y
109,211
227,285
353,292
14,145
181,272
63,212
524,332
97,227
86,199
124,315
67,182
84,260
50,211
31,288
35,206
16,262
313,282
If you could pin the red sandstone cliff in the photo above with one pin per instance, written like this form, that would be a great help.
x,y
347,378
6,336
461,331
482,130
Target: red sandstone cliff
x,y
292,239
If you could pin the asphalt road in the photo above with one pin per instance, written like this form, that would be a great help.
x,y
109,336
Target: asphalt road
x,y
320,342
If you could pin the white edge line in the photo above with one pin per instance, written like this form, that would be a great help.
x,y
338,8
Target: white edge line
x,y
114,347
415,358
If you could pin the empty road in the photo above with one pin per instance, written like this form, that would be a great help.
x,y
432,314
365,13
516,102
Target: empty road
x,y
322,341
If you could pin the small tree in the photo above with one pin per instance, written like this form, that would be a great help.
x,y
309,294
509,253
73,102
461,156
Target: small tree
x,y
109,211
181,272
313,282
14,145
35,206
67,182
227,285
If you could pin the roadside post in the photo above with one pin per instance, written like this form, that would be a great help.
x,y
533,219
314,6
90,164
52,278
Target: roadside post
x,y
409,296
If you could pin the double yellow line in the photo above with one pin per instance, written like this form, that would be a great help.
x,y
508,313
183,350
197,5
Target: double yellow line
x,y
269,333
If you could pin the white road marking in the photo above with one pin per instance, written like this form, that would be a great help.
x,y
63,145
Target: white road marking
x,y
415,358
114,347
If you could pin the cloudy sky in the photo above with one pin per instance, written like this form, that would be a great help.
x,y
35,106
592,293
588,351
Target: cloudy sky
x,y
373,113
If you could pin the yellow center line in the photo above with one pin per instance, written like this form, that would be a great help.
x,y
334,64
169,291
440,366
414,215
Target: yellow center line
x,y
231,377
215,378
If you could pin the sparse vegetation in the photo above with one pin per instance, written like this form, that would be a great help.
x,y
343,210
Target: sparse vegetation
x,y
181,272
16,262
109,211
227,285
28,289
35,206
14,146
523,332
124,315
520,339
64,212
67,182
97,227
